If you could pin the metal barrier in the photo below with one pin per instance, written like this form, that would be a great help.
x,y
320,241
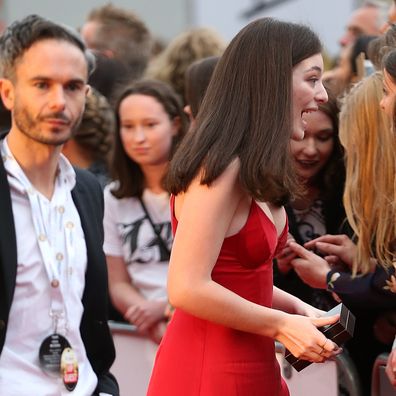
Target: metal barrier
x,y
332,378
134,359
380,385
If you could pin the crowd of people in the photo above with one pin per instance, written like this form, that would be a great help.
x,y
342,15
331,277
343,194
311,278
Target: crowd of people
x,y
217,197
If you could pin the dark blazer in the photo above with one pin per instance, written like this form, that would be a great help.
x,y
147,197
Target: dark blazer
x,y
88,198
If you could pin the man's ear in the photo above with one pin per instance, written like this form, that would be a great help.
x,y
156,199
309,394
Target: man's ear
x,y
7,92
88,89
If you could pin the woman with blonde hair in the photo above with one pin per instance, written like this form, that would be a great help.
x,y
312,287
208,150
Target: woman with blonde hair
x,y
361,273
171,65
369,194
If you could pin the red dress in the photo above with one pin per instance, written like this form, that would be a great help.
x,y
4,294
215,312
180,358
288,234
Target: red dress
x,y
200,358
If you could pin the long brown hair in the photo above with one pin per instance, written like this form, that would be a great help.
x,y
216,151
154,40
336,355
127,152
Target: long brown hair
x,y
197,79
331,178
127,172
246,112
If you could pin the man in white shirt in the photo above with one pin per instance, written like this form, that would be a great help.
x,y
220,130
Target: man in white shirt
x,y
54,337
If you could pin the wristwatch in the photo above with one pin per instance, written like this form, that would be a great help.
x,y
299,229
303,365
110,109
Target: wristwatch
x,y
331,277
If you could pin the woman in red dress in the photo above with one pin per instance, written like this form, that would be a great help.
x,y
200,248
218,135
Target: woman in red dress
x,y
229,179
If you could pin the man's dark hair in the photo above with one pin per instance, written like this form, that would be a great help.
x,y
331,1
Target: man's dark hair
x,y
22,34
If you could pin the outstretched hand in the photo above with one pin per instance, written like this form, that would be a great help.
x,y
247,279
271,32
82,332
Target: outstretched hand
x,y
339,249
310,267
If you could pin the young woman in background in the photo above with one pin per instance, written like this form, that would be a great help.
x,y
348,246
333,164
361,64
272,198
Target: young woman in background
x,y
138,237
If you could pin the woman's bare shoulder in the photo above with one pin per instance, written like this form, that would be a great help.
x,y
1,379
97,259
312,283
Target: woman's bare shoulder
x,y
230,176
225,188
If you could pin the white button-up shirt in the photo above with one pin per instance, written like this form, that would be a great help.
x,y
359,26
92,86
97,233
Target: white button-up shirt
x,y
29,318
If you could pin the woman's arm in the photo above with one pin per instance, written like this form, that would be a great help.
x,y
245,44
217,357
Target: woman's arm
x,y
292,304
205,217
339,249
371,290
127,299
146,315
310,267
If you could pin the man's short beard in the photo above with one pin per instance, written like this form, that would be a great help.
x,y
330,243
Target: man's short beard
x,y
30,128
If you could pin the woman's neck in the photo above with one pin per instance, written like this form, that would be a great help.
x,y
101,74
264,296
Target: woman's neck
x,y
153,176
306,200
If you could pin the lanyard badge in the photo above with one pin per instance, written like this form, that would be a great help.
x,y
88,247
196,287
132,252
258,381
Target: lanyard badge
x,y
56,356
69,368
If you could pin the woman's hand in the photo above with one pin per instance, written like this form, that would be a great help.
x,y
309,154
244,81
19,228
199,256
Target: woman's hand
x,y
145,314
391,367
299,334
337,248
157,331
310,267
284,258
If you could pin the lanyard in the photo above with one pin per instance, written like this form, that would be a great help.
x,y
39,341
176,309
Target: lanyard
x,y
155,229
54,236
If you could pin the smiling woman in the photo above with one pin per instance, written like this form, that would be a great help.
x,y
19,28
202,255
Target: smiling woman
x,y
229,179
306,77
369,198
318,209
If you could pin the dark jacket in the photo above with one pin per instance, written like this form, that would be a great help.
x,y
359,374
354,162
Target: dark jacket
x,y
88,198
334,216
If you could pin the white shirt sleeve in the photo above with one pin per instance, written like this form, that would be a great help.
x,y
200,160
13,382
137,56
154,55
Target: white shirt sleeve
x,y
112,241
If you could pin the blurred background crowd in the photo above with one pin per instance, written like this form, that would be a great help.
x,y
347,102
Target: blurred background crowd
x,y
154,61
